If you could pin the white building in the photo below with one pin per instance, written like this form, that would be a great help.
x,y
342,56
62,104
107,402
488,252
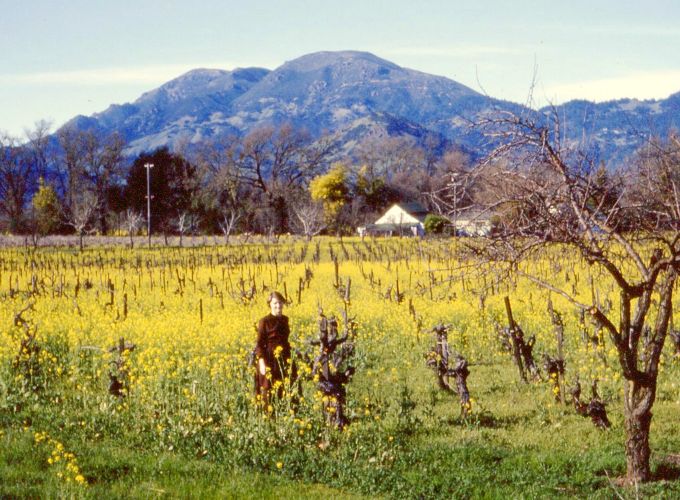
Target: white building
x,y
402,219
470,222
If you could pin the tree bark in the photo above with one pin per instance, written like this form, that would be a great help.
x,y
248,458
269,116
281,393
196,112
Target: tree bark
x,y
638,418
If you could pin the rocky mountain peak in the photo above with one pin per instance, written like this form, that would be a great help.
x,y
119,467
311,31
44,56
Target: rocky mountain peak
x,y
349,94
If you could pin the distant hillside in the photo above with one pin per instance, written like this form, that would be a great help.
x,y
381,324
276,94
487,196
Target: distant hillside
x,y
615,129
350,94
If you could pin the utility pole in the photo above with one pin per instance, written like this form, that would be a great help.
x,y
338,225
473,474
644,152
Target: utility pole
x,y
455,183
148,167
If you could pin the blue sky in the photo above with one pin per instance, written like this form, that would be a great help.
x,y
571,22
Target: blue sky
x,y
62,58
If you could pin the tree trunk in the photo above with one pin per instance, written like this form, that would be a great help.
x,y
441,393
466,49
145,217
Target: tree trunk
x,y
103,226
638,418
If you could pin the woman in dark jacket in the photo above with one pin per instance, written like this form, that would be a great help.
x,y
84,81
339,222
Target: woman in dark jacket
x,y
272,352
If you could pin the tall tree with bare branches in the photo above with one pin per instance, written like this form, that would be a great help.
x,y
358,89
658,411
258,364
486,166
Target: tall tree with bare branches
x,y
91,159
273,162
308,217
82,214
626,224
41,148
272,158
16,172
222,192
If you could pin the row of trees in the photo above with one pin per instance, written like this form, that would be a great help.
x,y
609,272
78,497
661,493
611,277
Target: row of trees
x,y
273,180
47,184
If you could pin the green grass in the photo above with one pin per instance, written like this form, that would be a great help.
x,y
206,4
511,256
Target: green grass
x,y
518,444
114,471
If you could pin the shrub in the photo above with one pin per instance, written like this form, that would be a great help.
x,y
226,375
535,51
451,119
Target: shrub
x,y
435,224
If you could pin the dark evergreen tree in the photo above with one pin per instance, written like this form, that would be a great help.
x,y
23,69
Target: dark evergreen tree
x,y
173,186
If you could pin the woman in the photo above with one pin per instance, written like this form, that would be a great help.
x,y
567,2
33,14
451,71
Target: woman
x,y
272,352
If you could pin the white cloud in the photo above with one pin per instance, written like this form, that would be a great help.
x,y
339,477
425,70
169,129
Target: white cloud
x,y
134,75
647,85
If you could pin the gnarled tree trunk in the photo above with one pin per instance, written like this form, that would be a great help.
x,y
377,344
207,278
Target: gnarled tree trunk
x,y
638,401
625,224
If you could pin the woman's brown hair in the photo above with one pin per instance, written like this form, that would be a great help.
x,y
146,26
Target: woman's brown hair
x,y
275,295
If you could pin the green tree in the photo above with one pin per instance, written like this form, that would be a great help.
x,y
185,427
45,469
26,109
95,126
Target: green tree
x,y
373,190
46,209
435,224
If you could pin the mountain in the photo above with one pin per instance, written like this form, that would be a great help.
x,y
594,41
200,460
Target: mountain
x,y
198,104
351,94
615,129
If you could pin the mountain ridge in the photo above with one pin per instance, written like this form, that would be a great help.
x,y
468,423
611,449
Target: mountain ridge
x,y
329,92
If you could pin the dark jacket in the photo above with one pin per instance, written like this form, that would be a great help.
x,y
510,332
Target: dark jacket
x,y
273,332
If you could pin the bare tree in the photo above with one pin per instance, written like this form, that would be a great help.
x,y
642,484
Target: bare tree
x,y
221,189
272,162
94,159
182,224
387,156
309,218
229,219
549,194
40,148
185,221
103,168
70,166
16,170
133,221
271,158
217,167
82,214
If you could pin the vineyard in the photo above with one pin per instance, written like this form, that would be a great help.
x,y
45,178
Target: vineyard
x,y
128,372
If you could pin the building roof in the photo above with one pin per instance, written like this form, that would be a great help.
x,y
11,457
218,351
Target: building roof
x,y
403,214
473,214
414,208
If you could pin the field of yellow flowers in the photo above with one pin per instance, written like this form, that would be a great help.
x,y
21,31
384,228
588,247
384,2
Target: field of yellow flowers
x,y
127,372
